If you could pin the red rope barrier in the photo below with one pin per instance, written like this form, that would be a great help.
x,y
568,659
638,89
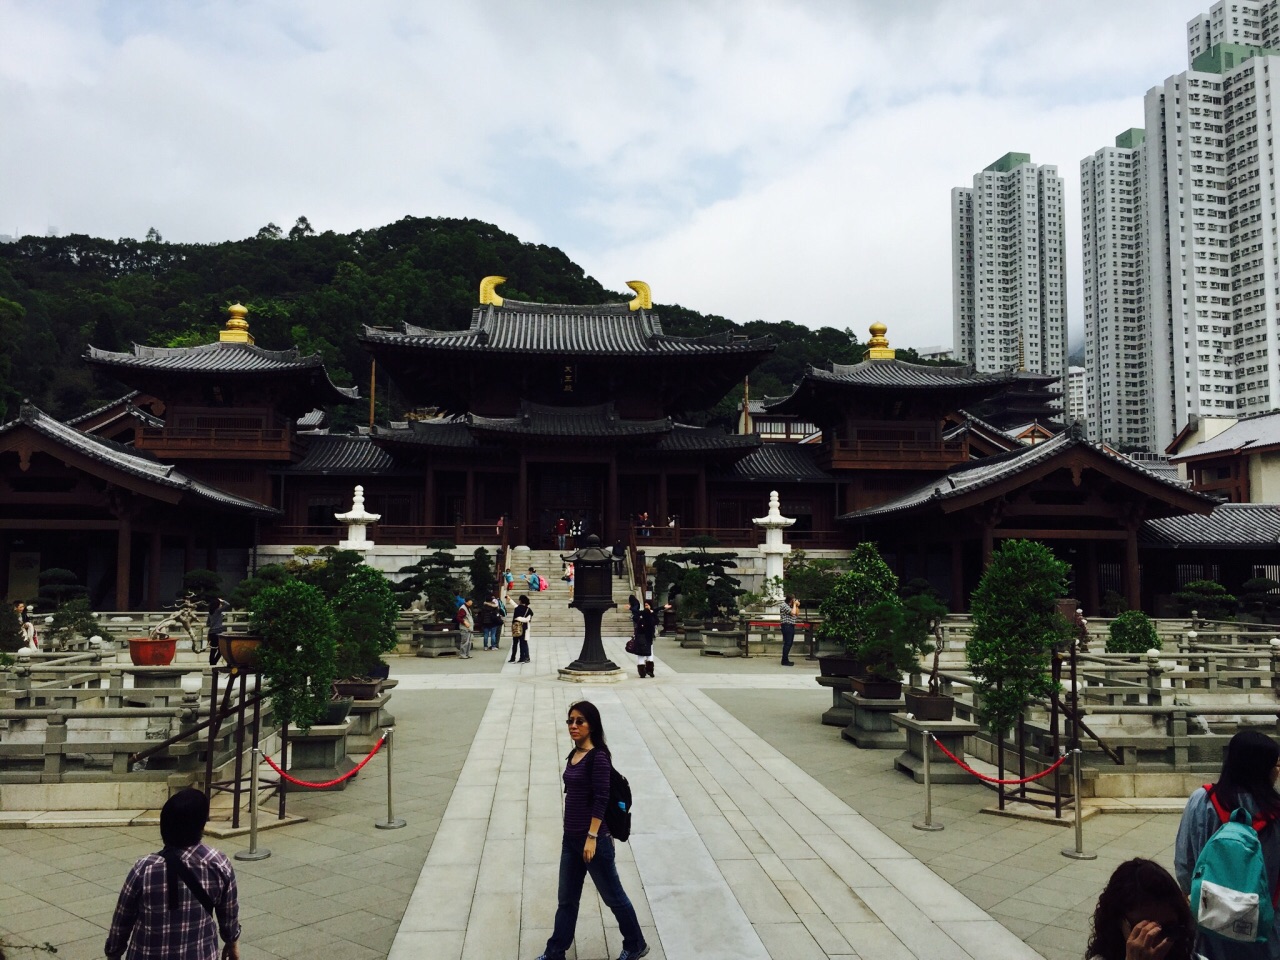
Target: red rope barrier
x,y
982,776
328,783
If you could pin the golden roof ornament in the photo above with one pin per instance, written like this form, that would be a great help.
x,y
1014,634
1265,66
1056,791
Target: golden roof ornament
x,y
487,293
237,328
878,346
643,300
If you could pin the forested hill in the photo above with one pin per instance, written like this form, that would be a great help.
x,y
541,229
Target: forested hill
x,y
311,290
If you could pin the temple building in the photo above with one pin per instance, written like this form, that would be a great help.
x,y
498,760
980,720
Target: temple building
x,y
540,412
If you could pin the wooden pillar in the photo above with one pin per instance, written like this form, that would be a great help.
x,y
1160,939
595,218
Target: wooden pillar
x,y
612,508
429,495
661,514
1092,603
1132,572
154,557
957,575
703,512
469,498
522,504
124,557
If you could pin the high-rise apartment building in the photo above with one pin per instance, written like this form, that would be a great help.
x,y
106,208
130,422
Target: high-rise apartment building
x,y
1009,303
1116,376
1076,395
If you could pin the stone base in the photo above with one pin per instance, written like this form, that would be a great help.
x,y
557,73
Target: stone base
x,y
722,643
841,713
872,726
319,755
592,676
941,768
437,643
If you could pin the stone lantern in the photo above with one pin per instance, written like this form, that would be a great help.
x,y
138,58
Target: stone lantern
x,y
357,520
593,595
773,549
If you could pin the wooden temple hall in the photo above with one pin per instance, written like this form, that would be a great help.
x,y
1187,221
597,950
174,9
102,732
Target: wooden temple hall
x,y
540,412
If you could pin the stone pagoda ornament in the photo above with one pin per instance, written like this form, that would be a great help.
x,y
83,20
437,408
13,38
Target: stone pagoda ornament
x,y
357,519
773,549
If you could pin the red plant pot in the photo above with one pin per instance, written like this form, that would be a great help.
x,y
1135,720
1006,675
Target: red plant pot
x,y
148,652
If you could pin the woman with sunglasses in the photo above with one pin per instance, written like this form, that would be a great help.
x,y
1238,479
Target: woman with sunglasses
x,y
1141,915
587,847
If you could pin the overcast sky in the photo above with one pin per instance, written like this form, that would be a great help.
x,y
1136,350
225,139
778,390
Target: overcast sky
x,y
772,160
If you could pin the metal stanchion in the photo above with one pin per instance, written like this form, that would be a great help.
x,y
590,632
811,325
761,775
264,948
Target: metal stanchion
x,y
392,822
928,823
1078,852
253,853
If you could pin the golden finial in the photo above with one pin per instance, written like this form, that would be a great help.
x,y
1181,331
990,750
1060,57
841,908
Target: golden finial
x,y
487,293
878,346
643,300
237,328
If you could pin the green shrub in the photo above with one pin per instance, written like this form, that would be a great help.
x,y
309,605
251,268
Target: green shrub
x,y
1260,596
298,653
1208,598
1016,625
271,575
1132,632
205,584
10,630
58,586
365,613
867,581
73,620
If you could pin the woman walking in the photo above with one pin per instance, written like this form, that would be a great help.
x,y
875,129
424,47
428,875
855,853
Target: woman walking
x,y
646,627
587,847
520,620
1248,780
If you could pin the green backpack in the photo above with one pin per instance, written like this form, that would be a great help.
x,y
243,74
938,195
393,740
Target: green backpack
x,y
1231,898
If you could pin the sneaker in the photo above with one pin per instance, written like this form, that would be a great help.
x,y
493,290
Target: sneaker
x,y
634,954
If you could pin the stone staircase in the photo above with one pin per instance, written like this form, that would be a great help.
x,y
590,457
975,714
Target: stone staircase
x,y
551,614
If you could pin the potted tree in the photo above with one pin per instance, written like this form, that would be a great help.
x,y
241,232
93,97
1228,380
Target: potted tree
x,y
365,612
867,581
430,584
297,659
922,614
885,652
1207,599
1016,625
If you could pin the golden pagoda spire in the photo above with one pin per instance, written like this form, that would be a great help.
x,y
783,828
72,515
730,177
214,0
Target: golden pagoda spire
x,y
237,328
878,346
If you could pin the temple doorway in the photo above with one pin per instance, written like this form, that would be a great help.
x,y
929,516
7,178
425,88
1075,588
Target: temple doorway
x,y
572,491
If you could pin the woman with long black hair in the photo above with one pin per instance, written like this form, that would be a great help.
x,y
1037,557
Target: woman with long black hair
x,y
587,847
1248,780
1141,915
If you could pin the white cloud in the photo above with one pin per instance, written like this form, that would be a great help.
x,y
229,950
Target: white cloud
x,y
760,158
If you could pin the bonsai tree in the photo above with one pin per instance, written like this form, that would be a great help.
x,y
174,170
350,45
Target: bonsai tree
x,y
707,589
58,586
1260,596
1208,598
432,581
1016,625
297,658
71,620
271,575
867,581
1114,603
809,581
327,569
205,584
1132,632
480,570
922,614
364,613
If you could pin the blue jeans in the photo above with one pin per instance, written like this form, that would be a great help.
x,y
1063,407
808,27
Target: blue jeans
x,y
604,874
491,636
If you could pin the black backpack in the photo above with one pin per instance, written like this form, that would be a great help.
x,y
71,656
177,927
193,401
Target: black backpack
x,y
617,812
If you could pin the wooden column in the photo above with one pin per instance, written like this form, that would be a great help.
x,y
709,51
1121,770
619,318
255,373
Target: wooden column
x,y
469,498
522,505
957,576
1132,572
611,505
660,515
154,557
124,558
1091,601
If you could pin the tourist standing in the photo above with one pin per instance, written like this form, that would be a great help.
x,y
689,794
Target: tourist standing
x,y
507,579
562,531
466,625
490,619
646,626
587,847
521,617
789,610
1248,780
1141,915
214,627
170,899
568,575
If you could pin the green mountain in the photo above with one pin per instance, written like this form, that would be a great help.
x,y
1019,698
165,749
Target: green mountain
x,y
314,291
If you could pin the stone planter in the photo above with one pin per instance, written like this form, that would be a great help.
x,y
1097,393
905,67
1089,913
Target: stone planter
x,y
320,754
150,652
874,688
841,713
951,733
361,689
838,665
872,726
923,705
723,643
436,643
336,712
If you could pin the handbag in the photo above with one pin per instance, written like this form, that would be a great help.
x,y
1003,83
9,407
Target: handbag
x,y
631,645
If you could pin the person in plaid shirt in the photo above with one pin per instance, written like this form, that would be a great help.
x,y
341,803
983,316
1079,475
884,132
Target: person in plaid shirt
x,y
159,916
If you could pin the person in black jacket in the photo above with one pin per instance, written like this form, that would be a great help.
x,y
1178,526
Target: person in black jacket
x,y
646,626
214,626
522,615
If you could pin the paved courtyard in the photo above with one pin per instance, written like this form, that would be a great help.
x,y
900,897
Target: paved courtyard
x,y
758,833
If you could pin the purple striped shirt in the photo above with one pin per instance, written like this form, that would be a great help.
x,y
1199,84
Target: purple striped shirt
x,y
145,924
586,797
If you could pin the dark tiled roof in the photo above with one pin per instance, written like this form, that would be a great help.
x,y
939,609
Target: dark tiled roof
x,y
312,421
983,473
540,420
224,358
97,411
1230,525
899,373
131,461
343,454
687,439
556,328
778,463
443,432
